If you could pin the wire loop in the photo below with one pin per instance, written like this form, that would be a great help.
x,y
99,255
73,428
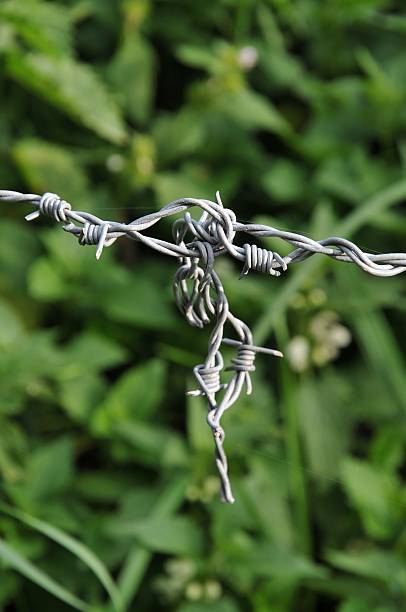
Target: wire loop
x,y
262,260
208,377
52,205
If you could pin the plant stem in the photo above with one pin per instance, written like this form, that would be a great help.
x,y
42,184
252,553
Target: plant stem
x,y
297,481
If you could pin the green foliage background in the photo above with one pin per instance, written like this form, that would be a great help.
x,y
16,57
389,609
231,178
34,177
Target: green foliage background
x,y
109,499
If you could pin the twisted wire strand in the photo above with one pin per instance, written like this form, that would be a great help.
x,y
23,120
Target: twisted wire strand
x,y
198,291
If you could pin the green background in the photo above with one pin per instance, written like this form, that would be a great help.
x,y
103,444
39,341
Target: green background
x,y
296,112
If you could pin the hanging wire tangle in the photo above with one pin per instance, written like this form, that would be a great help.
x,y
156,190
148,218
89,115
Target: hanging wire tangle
x,y
197,242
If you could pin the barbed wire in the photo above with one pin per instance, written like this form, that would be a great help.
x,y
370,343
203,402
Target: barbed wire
x,y
198,291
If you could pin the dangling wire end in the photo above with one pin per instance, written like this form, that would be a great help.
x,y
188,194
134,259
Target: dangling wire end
x,y
33,215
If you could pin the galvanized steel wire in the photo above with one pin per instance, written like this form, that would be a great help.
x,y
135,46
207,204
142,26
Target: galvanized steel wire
x,y
198,291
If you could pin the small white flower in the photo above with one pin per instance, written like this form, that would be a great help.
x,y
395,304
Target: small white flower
x,y
323,353
115,163
194,591
340,335
298,352
247,57
213,590
317,296
183,569
321,324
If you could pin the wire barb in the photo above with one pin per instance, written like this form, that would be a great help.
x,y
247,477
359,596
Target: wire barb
x,y
262,260
198,291
52,205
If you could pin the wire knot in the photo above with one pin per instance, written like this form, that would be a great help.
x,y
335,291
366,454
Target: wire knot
x,y
221,459
218,433
262,260
206,258
218,228
208,378
221,230
93,233
244,362
52,205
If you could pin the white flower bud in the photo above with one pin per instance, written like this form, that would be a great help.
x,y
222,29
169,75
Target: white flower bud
x,y
247,58
298,352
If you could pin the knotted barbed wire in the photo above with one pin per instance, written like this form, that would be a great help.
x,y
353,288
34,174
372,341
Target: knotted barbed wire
x,y
198,291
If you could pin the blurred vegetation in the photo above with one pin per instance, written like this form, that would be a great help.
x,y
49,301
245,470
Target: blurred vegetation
x,y
296,112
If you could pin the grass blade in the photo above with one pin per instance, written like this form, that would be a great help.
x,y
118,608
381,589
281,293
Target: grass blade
x,y
382,350
28,569
76,548
295,462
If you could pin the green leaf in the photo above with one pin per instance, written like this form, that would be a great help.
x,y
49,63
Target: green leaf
x,y
199,57
268,561
143,303
107,486
142,387
376,495
69,259
177,535
154,444
252,111
78,549
13,559
73,87
382,565
26,366
178,134
45,283
11,328
134,397
285,181
91,351
383,352
266,494
50,469
387,448
81,395
132,73
45,26
12,451
49,167
14,261
380,202
138,559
